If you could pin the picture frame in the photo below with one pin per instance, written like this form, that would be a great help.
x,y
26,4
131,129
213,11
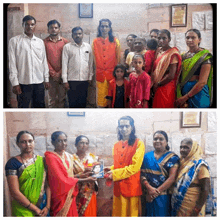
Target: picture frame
x,y
178,15
191,119
85,10
98,169
76,114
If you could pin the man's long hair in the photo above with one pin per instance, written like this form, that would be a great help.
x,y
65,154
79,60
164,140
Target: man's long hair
x,y
132,136
110,34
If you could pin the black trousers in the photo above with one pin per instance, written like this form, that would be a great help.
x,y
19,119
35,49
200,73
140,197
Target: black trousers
x,y
34,93
77,94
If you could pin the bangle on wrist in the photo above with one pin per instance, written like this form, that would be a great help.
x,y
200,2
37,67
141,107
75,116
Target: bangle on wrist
x,y
188,95
159,83
47,208
28,206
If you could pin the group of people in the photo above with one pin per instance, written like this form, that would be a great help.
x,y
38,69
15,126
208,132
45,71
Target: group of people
x,y
152,73
62,184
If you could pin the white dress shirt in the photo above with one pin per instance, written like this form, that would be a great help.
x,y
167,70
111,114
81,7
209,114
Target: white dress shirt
x,y
77,62
27,60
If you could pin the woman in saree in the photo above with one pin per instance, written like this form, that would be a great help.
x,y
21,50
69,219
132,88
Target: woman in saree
x,y
83,166
195,84
61,179
193,181
158,173
128,156
26,180
165,73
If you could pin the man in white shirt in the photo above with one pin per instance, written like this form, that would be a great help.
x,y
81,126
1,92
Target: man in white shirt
x,y
28,67
77,69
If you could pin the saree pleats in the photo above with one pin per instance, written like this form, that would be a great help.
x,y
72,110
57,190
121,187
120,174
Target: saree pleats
x,y
165,96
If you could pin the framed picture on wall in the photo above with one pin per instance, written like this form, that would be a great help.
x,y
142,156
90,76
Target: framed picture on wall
x,y
178,15
76,114
190,119
85,10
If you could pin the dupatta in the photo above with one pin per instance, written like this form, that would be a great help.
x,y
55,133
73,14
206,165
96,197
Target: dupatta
x,y
31,184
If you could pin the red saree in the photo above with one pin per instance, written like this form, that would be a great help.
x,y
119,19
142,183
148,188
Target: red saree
x,y
165,95
62,184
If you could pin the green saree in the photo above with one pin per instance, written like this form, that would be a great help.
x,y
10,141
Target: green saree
x,y
189,66
31,183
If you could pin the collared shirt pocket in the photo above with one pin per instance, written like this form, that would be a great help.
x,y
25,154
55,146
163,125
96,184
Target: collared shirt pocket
x,y
86,55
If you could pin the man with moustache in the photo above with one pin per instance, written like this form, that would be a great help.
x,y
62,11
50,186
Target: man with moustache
x,y
28,69
77,69
54,44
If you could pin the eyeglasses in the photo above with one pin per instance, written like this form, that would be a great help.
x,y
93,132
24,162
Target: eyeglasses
x,y
26,142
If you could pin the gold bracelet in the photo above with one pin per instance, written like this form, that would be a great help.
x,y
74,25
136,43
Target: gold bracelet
x,y
47,208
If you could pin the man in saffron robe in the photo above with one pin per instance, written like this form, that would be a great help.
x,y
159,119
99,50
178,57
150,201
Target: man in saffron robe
x,y
106,49
128,157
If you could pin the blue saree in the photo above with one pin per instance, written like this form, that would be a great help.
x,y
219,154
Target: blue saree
x,y
156,173
183,184
201,99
